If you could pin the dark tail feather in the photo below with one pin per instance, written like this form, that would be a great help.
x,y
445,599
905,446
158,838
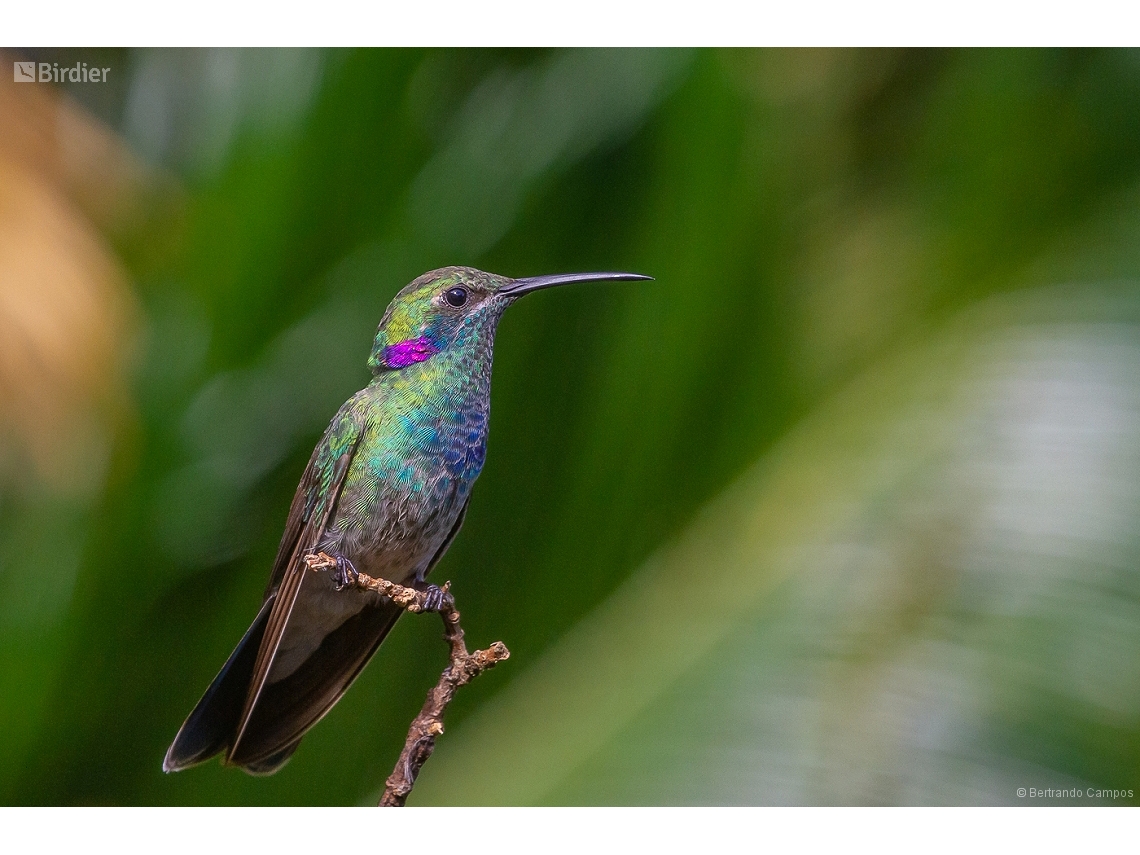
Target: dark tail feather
x,y
289,707
273,762
210,727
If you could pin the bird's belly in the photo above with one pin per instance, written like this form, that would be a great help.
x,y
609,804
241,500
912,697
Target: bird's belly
x,y
396,544
403,532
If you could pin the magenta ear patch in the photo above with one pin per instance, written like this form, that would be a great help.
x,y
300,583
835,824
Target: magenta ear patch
x,y
408,352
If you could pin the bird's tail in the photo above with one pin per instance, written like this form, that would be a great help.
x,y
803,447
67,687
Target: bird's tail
x,y
210,727
273,762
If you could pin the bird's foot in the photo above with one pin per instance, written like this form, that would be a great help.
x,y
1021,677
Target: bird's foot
x,y
434,597
346,575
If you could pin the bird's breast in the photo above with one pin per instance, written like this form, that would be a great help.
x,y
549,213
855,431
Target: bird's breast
x,y
407,484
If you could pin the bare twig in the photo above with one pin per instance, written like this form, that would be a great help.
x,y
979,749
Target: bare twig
x,y
462,669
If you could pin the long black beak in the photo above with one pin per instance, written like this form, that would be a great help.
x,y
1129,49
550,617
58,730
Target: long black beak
x,y
537,283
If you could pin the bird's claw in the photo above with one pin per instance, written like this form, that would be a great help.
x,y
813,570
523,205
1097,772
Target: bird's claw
x,y
346,575
433,597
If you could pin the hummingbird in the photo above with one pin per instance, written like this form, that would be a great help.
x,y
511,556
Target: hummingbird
x,y
384,493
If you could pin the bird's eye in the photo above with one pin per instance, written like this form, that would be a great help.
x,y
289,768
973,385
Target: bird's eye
x,y
456,297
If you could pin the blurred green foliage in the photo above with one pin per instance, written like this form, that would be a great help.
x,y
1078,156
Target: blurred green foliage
x,y
822,226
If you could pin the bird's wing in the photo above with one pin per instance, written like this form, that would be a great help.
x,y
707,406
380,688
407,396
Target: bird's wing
x,y
314,504
325,472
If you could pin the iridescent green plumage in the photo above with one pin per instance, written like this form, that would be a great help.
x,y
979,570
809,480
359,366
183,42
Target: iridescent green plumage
x,y
385,492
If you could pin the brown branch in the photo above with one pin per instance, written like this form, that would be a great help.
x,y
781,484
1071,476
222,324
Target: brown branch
x,y
462,669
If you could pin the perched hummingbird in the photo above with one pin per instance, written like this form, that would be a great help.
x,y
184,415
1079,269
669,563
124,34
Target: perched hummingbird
x,y
385,493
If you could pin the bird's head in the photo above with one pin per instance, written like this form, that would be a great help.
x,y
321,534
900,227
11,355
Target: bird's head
x,y
455,307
